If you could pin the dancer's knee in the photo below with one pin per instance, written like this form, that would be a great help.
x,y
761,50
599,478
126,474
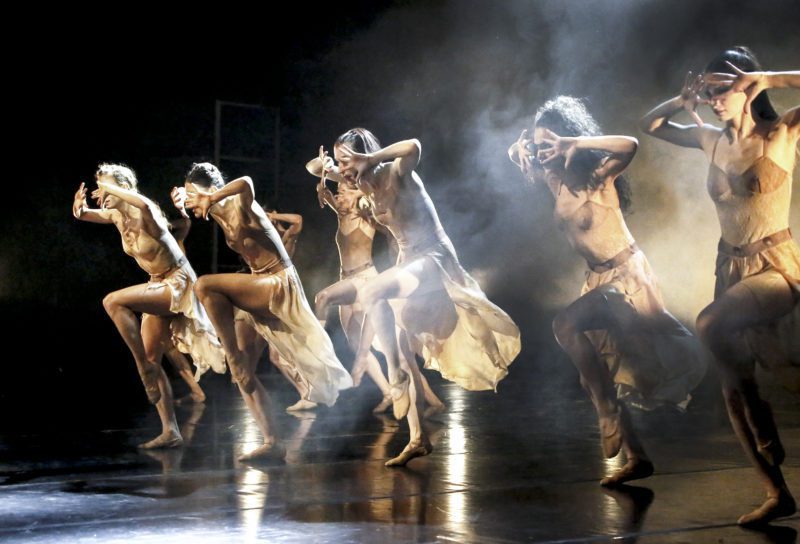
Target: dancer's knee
x,y
111,303
202,288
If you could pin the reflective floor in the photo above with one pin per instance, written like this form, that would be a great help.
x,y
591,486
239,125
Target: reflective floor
x,y
515,466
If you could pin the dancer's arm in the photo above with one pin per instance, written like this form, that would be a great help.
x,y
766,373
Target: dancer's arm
x,y
657,121
82,211
139,201
404,155
752,83
620,149
180,230
204,200
295,222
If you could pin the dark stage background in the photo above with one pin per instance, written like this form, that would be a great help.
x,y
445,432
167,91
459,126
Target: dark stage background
x,y
462,76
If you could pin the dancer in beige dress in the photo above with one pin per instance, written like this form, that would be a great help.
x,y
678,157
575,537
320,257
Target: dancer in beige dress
x,y
289,226
167,301
755,315
272,297
354,239
426,303
618,334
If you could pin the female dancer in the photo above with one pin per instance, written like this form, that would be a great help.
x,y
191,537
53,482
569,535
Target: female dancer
x,y
354,239
618,330
272,296
439,309
289,226
167,301
754,316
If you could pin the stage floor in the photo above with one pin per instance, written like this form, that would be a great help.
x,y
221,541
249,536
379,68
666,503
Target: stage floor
x,y
517,466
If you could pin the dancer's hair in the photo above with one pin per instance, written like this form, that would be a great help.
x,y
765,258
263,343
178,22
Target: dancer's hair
x,y
359,140
567,116
123,175
205,175
745,60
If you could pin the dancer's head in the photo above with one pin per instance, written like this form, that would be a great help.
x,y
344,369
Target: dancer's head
x,y
205,176
728,104
116,174
568,116
359,140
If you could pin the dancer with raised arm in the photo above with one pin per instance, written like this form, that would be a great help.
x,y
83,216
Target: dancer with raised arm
x,y
755,315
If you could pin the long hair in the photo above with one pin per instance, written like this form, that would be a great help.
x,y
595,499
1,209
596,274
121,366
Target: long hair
x,y
567,116
205,174
123,175
359,140
745,60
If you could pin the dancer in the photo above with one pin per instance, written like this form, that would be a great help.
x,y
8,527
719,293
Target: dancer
x,y
440,311
354,239
618,331
289,227
272,297
167,302
755,315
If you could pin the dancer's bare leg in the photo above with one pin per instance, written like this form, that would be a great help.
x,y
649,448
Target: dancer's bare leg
x,y
591,312
219,293
352,322
122,306
404,378
155,334
146,342
181,365
718,326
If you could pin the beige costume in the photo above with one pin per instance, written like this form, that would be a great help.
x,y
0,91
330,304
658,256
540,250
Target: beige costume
x,y
756,247
650,354
299,338
192,331
469,341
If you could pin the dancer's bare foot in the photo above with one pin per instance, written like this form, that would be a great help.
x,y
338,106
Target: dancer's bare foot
x,y
383,405
401,398
272,451
635,469
434,409
774,507
414,449
169,439
301,405
611,433
772,452
191,398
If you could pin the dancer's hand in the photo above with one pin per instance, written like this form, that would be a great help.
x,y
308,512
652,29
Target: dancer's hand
x,y
179,196
79,201
521,148
354,163
693,85
199,202
739,81
324,195
97,195
557,146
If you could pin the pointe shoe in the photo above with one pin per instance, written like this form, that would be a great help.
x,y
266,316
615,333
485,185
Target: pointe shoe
x,y
383,405
611,433
772,452
401,398
773,508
